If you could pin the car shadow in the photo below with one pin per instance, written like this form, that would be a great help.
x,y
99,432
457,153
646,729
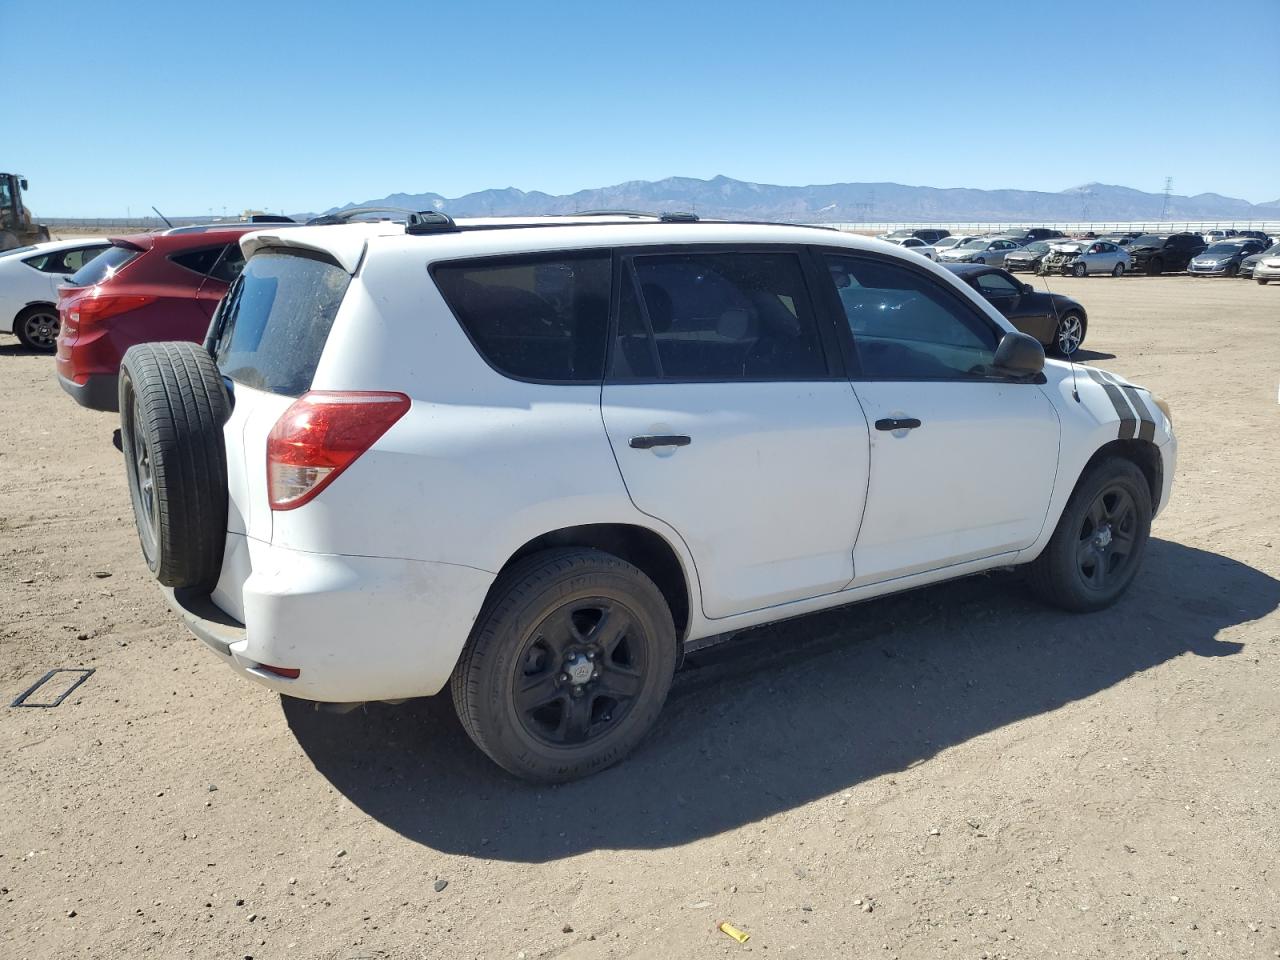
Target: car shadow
x,y
15,348
788,713
1084,356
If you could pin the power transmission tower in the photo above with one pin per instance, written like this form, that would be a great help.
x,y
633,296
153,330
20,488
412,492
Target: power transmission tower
x,y
1168,189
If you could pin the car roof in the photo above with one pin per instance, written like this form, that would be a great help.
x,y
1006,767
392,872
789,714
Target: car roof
x,y
498,236
53,246
968,270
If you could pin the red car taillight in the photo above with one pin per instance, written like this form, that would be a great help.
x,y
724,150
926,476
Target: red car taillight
x,y
92,309
320,435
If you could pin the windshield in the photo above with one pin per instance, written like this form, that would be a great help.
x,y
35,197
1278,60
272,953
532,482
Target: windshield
x,y
274,321
1038,247
9,253
1223,249
975,244
104,266
1150,240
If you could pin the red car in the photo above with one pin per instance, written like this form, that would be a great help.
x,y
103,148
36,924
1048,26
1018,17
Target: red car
x,y
157,286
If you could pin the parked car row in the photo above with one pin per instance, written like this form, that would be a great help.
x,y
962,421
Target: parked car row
x,y
1041,250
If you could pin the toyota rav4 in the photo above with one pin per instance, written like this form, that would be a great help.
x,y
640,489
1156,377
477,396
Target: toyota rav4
x,y
537,461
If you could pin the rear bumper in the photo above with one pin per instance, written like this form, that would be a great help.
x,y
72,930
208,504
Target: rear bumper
x,y
100,391
355,628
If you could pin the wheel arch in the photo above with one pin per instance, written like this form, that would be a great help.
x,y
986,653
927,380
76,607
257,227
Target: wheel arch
x,y
28,307
640,546
1143,453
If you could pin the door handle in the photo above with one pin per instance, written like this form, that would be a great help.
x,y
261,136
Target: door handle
x,y
648,443
897,423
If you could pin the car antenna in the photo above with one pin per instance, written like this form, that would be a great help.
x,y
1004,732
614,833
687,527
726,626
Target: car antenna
x,y
162,217
1057,321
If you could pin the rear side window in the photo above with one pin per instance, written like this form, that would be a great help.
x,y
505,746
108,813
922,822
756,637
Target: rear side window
x,y
543,318
717,317
200,261
273,323
104,267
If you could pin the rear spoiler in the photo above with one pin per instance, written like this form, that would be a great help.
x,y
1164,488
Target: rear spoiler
x,y
345,249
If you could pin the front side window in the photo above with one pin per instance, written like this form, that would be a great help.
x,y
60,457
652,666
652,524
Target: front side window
x,y
105,266
907,326
716,317
542,318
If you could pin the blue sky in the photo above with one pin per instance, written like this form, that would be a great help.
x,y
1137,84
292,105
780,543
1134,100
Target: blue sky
x,y
300,106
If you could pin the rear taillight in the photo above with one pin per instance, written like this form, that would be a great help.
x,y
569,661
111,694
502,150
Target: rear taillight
x,y
93,309
320,435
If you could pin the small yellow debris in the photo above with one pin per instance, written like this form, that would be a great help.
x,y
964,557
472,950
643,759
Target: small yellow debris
x,y
740,935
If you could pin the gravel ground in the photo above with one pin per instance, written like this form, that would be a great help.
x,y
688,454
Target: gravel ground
x,y
954,773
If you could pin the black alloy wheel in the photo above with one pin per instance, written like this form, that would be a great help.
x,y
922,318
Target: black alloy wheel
x,y
37,328
580,672
1106,539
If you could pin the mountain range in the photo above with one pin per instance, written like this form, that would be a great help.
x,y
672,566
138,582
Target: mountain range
x,y
724,197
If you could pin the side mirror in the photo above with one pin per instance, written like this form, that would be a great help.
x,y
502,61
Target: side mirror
x,y
1019,355
23,183
1028,288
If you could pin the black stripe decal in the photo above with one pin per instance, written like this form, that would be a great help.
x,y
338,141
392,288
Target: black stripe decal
x,y
1146,422
1128,422
1148,429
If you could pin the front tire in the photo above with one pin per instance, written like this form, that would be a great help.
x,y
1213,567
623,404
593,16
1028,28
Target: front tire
x,y
1079,270
1097,547
1261,282
567,667
37,328
1118,270
1155,267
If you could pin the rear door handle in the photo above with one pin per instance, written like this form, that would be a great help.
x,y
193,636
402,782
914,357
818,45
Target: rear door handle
x,y
648,443
897,423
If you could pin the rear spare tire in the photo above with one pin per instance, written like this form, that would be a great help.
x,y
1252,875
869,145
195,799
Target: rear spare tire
x,y
172,408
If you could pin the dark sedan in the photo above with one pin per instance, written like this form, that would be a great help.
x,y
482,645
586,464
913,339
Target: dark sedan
x,y
1225,257
1028,258
1055,320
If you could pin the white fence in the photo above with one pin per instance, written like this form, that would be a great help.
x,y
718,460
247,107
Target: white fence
x,y
1270,227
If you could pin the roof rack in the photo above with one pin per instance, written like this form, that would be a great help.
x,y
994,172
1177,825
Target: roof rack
x,y
429,221
612,213
346,216
679,217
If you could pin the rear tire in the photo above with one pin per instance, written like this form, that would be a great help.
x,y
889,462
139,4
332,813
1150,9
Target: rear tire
x,y
568,665
37,328
1069,336
172,408
1097,547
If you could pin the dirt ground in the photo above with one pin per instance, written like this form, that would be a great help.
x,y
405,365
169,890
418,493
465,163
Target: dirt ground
x,y
955,773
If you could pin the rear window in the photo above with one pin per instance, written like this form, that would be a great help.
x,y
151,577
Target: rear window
x,y
273,323
543,318
105,266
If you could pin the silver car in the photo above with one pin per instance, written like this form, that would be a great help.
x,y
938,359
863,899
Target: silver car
x,y
990,250
1082,258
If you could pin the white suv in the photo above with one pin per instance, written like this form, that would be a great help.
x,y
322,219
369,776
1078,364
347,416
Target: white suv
x,y
538,460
